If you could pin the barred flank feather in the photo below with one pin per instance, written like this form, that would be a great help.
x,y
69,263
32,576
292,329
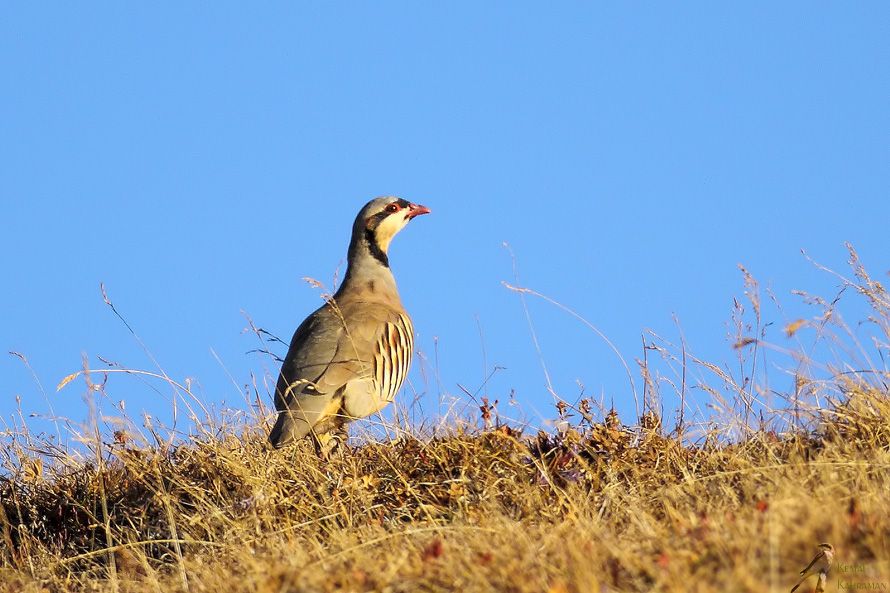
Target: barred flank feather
x,y
392,357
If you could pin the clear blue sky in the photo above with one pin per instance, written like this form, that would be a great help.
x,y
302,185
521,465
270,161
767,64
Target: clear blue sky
x,y
200,159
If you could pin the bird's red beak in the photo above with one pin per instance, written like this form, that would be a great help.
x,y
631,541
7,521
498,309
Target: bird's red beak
x,y
417,210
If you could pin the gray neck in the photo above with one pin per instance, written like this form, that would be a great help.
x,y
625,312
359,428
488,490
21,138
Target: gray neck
x,y
368,270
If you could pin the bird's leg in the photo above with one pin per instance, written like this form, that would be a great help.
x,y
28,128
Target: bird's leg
x,y
323,444
339,438
329,443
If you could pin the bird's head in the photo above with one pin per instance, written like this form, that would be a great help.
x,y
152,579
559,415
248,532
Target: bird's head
x,y
379,221
826,547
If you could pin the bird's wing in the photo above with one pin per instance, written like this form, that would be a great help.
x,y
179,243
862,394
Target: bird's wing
x,y
812,562
311,351
806,571
304,394
333,346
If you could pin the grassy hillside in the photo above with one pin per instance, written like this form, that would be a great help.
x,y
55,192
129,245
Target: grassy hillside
x,y
597,504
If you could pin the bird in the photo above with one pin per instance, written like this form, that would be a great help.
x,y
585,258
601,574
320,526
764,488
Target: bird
x,y
820,564
348,359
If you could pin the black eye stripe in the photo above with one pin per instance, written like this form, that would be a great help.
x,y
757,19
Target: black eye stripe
x,y
399,204
374,220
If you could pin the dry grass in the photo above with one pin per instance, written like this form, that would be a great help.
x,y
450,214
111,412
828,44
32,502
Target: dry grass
x,y
736,504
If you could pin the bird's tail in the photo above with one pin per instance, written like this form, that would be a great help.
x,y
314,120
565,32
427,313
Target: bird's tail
x,y
799,583
282,432
297,417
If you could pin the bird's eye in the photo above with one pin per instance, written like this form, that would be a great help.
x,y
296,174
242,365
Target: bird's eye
x,y
392,207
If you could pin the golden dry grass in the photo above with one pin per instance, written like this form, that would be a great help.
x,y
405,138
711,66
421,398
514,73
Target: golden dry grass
x,y
593,506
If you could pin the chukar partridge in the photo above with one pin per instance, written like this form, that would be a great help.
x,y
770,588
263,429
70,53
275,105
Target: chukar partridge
x,y
348,359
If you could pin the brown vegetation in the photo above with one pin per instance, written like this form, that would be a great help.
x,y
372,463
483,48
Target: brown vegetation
x,y
593,505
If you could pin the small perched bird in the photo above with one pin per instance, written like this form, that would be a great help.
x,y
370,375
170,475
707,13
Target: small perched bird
x,y
348,359
820,565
